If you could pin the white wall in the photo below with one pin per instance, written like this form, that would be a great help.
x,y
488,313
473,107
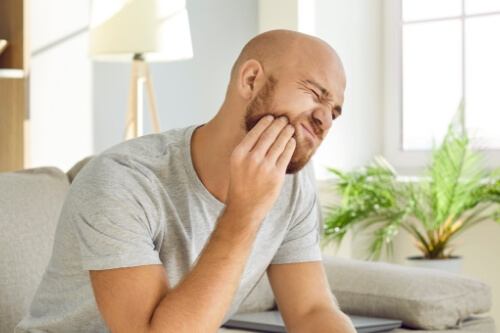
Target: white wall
x,y
354,29
188,92
60,126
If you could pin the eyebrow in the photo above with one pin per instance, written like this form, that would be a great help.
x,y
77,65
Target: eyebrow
x,y
325,94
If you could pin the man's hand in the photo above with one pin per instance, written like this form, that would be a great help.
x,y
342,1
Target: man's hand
x,y
258,165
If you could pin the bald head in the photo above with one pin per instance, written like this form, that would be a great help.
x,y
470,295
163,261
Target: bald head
x,y
290,75
278,49
287,73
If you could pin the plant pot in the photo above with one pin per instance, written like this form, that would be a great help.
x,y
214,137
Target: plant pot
x,y
451,265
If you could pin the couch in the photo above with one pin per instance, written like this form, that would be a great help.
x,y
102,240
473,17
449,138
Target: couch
x,y
425,300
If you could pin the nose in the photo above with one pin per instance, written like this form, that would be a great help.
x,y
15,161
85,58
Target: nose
x,y
322,118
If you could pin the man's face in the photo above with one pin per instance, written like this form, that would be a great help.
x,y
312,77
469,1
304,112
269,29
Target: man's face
x,y
307,109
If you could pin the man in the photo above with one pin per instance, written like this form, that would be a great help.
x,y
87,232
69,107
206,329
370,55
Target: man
x,y
170,232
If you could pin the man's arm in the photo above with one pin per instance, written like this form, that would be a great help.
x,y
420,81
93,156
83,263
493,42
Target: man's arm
x,y
304,299
139,299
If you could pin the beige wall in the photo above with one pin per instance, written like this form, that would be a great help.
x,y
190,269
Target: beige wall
x,y
278,14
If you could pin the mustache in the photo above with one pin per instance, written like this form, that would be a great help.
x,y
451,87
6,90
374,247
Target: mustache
x,y
250,122
317,130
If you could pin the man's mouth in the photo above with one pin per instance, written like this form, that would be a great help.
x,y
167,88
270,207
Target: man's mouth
x,y
310,132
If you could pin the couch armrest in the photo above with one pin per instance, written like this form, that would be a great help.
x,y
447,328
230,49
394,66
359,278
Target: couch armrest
x,y
421,298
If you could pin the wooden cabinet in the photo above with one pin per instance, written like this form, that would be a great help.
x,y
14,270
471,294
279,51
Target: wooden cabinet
x,y
12,115
13,84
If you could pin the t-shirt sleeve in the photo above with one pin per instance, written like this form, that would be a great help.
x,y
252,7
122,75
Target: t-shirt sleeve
x,y
302,240
113,216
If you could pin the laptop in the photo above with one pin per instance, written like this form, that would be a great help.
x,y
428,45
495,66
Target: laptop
x,y
271,321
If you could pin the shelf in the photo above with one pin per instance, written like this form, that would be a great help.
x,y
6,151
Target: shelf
x,y
3,45
11,73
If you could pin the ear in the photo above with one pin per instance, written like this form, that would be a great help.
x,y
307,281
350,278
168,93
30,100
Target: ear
x,y
250,78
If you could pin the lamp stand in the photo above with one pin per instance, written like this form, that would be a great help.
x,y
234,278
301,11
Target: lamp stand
x,y
140,77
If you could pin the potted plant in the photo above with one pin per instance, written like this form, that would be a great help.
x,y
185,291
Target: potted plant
x,y
455,194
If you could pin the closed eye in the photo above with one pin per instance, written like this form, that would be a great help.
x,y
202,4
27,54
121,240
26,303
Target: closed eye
x,y
315,94
336,110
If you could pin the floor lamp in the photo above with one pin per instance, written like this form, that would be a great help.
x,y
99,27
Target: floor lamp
x,y
140,31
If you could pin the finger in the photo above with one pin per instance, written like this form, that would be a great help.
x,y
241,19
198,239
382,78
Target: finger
x,y
253,135
268,137
285,157
279,145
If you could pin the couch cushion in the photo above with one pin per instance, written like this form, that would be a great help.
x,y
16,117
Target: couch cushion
x,y
422,298
30,203
471,325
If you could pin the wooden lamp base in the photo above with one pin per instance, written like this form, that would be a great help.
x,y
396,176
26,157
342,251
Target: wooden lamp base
x,y
140,77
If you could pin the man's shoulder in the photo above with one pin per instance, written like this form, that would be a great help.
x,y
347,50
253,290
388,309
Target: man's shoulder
x,y
150,145
139,158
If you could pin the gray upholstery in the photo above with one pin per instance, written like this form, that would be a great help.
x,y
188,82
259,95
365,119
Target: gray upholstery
x,y
30,203
471,325
422,298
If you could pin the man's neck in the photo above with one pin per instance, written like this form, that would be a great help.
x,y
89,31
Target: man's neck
x,y
211,148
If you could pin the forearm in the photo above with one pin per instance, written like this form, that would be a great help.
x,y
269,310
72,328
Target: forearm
x,y
202,298
323,320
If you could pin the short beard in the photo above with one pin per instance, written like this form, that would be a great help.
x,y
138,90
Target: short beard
x,y
259,107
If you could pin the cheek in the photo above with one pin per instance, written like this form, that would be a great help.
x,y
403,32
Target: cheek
x,y
294,103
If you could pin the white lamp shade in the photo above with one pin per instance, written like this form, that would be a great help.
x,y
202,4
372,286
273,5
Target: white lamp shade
x,y
158,29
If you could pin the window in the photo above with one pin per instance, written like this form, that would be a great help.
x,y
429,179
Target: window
x,y
449,50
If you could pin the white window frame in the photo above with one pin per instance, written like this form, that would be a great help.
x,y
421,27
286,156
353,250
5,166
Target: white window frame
x,y
405,161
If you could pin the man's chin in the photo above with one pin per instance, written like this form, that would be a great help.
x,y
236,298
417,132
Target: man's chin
x,y
301,156
295,166
292,169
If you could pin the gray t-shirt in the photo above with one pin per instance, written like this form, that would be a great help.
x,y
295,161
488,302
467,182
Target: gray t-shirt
x,y
141,202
